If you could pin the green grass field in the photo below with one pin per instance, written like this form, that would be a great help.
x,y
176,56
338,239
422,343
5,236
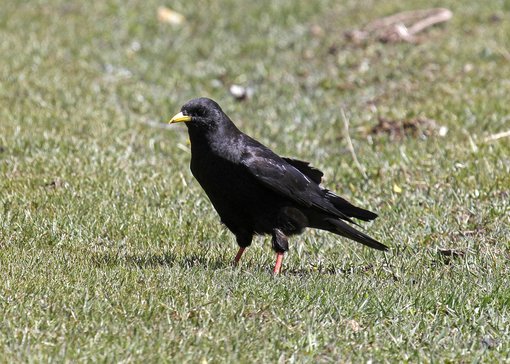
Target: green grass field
x,y
110,251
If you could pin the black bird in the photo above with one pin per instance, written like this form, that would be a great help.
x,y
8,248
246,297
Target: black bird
x,y
255,191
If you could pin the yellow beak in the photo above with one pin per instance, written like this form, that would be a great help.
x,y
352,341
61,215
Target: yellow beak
x,y
180,118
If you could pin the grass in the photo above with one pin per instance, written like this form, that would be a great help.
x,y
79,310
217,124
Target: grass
x,y
110,252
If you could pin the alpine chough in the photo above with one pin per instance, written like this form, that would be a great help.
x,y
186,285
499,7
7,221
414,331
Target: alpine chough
x,y
255,191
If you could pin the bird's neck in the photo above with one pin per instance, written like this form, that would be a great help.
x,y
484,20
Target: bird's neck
x,y
215,142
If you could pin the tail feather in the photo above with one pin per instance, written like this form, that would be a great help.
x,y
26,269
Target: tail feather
x,y
349,209
342,228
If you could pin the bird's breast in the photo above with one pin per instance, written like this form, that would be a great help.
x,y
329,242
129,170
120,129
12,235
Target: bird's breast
x,y
238,197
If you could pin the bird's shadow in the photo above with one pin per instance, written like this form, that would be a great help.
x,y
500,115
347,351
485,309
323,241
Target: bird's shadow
x,y
170,259
329,271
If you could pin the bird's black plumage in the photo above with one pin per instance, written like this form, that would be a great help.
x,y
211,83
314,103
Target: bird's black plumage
x,y
255,191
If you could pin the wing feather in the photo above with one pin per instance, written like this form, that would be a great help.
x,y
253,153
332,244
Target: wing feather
x,y
282,177
305,168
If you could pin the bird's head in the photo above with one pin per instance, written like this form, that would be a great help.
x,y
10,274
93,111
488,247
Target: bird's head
x,y
200,113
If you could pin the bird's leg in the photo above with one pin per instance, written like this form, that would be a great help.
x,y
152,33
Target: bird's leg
x,y
280,246
238,256
278,265
243,240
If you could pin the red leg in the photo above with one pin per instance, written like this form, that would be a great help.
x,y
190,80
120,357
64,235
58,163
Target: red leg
x,y
239,255
278,265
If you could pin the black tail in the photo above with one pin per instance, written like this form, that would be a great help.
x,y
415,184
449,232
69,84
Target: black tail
x,y
342,228
349,209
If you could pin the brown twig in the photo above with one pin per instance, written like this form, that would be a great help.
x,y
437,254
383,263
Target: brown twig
x,y
402,26
493,137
